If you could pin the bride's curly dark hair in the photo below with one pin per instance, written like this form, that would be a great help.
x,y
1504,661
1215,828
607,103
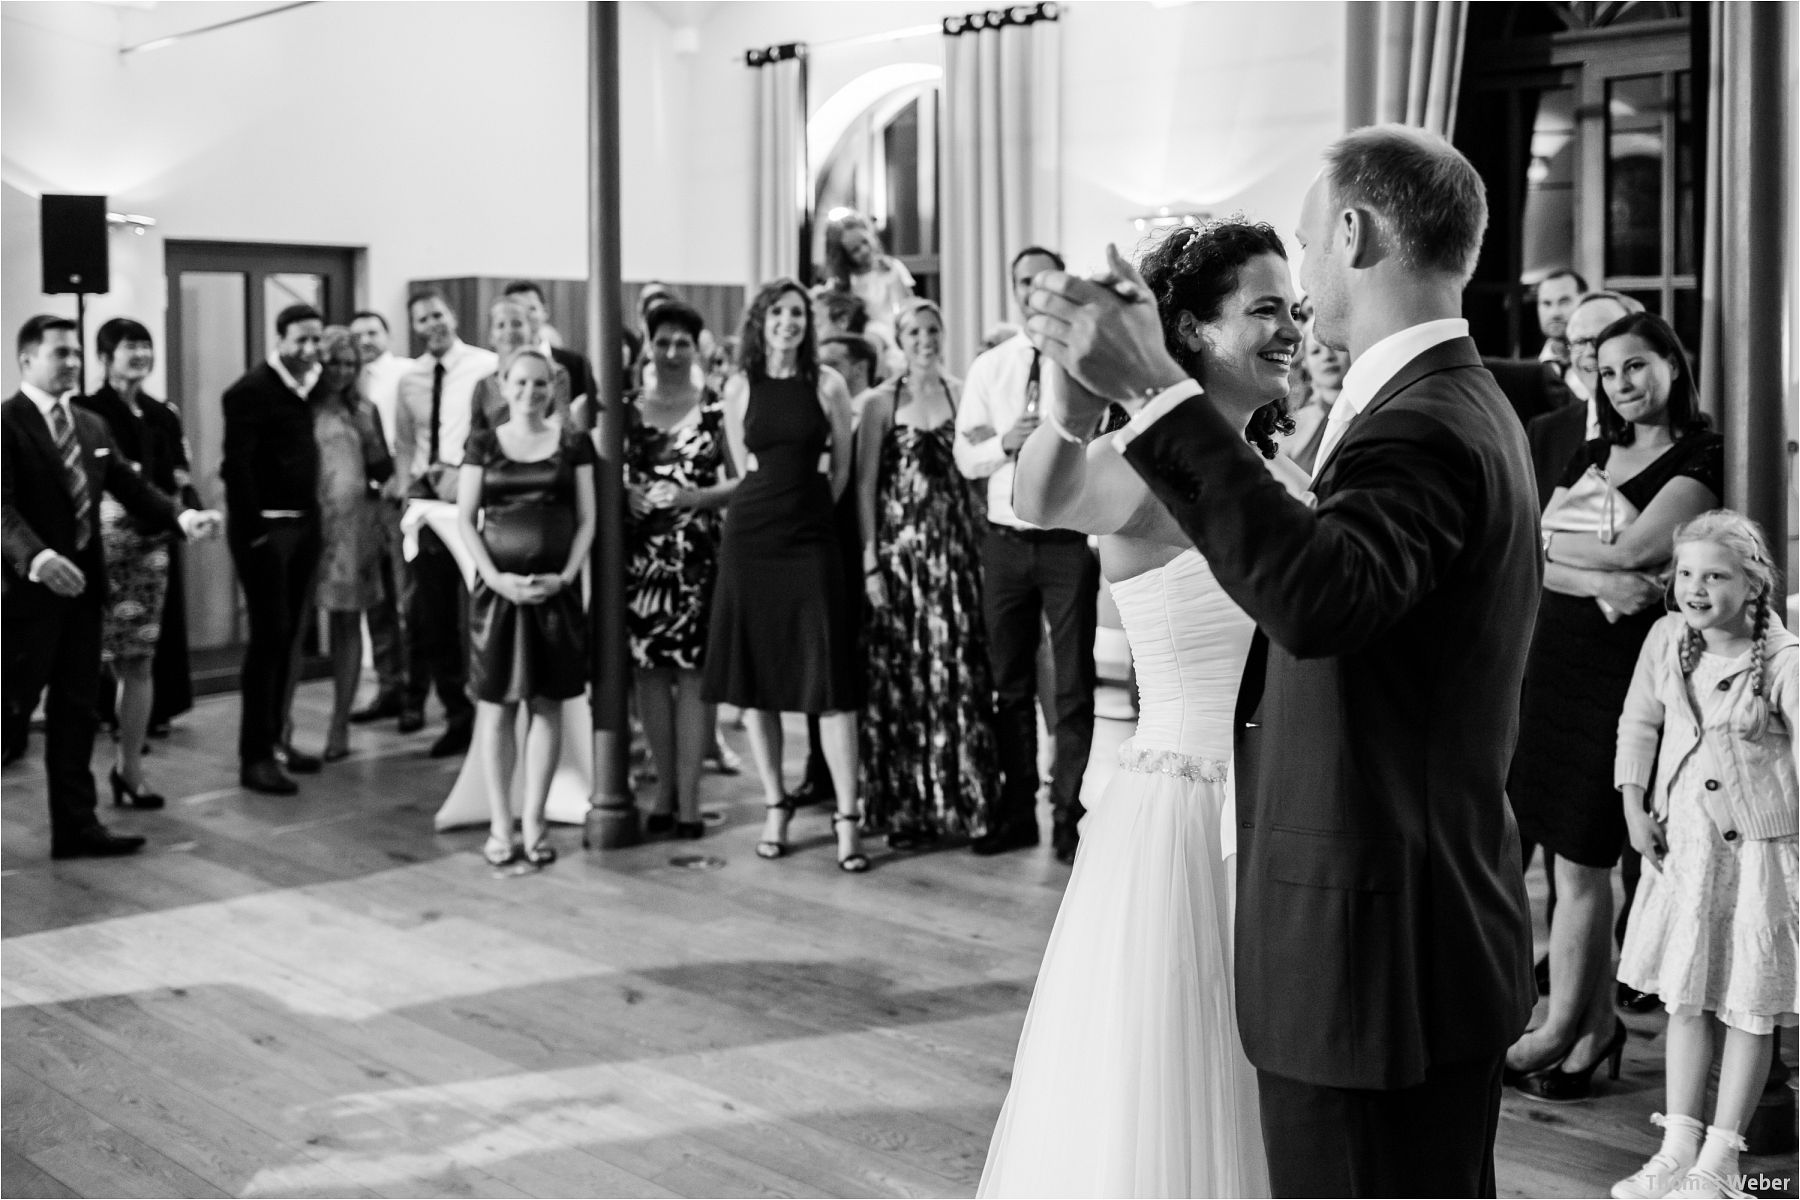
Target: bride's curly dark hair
x,y
1195,269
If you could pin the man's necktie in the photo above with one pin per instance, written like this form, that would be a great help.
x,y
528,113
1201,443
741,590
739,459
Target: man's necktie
x,y
437,404
69,448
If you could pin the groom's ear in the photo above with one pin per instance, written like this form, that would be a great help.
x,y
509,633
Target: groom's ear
x,y
1359,235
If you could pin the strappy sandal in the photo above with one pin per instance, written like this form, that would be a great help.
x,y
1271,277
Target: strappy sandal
x,y
500,852
768,849
854,864
541,853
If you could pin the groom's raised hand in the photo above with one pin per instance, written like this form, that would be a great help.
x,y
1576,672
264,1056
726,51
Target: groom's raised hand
x,y
1104,331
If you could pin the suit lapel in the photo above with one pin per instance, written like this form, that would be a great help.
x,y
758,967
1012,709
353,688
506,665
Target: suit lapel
x,y
37,429
1454,354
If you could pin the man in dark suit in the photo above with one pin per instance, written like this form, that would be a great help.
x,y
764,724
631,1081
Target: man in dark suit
x,y
584,391
1533,388
1555,436
58,461
1383,938
271,473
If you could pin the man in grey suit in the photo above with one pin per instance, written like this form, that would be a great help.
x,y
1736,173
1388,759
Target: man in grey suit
x,y
1383,939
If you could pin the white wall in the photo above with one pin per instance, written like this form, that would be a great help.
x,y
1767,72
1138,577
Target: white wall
x,y
448,139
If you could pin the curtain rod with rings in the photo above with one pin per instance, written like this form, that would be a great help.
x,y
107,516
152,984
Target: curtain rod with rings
x,y
994,18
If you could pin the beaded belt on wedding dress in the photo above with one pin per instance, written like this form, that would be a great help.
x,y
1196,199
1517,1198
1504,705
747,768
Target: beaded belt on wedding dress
x,y
1151,761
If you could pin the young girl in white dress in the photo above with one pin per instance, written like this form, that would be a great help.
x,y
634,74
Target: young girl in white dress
x,y
1710,719
1130,1078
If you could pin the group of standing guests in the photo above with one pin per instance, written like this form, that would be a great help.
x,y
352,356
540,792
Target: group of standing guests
x,y
1656,731
764,609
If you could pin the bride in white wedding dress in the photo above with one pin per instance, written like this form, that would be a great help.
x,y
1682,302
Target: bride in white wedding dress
x,y
1130,1078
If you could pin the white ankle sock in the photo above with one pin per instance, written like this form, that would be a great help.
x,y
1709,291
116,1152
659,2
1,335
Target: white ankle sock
x,y
1720,1153
1681,1139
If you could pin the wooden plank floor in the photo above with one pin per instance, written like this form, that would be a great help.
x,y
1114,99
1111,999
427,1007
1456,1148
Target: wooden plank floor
x,y
320,996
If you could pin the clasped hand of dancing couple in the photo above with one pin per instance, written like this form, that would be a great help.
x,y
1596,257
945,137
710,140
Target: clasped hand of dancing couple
x,y
1295,945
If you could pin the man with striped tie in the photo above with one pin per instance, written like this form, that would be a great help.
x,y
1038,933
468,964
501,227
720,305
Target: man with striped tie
x,y
58,460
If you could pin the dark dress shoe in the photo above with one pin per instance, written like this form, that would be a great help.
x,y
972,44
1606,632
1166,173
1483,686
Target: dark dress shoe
x,y
96,841
13,752
298,762
380,709
659,823
1007,837
455,740
266,776
411,720
1064,842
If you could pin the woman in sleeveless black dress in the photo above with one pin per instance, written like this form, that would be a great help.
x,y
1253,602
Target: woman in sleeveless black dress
x,y
782,639
1653,467
530,481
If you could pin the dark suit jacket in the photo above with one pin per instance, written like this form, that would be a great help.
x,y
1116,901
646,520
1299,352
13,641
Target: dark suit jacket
x,y
1382,925
37,513
1554,439
271,458
1533,388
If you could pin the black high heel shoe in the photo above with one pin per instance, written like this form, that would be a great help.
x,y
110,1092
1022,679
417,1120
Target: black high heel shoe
x,y
124,797
1560,1086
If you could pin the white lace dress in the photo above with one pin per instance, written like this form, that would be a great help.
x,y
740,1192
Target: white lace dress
x,y
1130,1078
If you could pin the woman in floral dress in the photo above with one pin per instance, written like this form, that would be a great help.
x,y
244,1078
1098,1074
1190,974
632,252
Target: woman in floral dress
x,y
928,758
676,480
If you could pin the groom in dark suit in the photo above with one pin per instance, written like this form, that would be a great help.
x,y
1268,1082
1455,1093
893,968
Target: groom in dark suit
x,y
58,460
1383,938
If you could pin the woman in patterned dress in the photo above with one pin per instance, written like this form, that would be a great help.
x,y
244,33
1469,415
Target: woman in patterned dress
x,y
676,478
925,642
353,464
148,433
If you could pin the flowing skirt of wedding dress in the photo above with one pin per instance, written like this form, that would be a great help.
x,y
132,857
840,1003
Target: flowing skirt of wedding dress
x,y
1130,1078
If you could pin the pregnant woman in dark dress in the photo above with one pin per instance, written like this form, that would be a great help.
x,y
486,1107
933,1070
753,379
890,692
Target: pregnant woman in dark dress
x,y
1653,467
782,639
525,501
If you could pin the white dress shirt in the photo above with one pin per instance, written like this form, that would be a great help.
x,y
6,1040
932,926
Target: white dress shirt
x,y
464,367
1372,371
994,395
1579,389
381,386
300,387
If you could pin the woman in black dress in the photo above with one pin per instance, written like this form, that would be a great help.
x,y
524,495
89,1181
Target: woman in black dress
x,y
676,481
924,636
782,639
1608,530
530,481
138,565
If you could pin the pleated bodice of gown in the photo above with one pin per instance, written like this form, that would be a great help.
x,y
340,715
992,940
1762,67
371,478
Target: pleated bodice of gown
x,y
1189,642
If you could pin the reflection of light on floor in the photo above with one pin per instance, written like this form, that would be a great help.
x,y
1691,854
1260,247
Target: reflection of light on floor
x,y
317,950
628,1107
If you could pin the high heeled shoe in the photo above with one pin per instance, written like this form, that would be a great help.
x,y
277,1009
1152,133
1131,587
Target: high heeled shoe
x,y
540,853
768,848
856,862
499,851
125,797
1558,1085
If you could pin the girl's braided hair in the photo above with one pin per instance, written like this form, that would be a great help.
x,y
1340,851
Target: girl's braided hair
x,y
1743,538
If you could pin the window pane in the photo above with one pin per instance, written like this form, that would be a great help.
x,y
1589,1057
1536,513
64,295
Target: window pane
x,y
1634,156
1687,175
281,290
212,357
1549,224
1687,320
1650,298
900,153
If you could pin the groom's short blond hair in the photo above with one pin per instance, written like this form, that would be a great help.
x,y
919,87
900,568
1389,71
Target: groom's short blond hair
x,y
1428,199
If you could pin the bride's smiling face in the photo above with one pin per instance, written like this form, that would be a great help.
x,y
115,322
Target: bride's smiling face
x,y
1246,352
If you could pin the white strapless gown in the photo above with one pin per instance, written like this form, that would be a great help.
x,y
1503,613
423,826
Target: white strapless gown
x,y
1130,1078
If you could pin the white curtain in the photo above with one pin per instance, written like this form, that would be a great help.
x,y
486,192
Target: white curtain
x,y
1748,298
1001,161
782,200
1404,63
